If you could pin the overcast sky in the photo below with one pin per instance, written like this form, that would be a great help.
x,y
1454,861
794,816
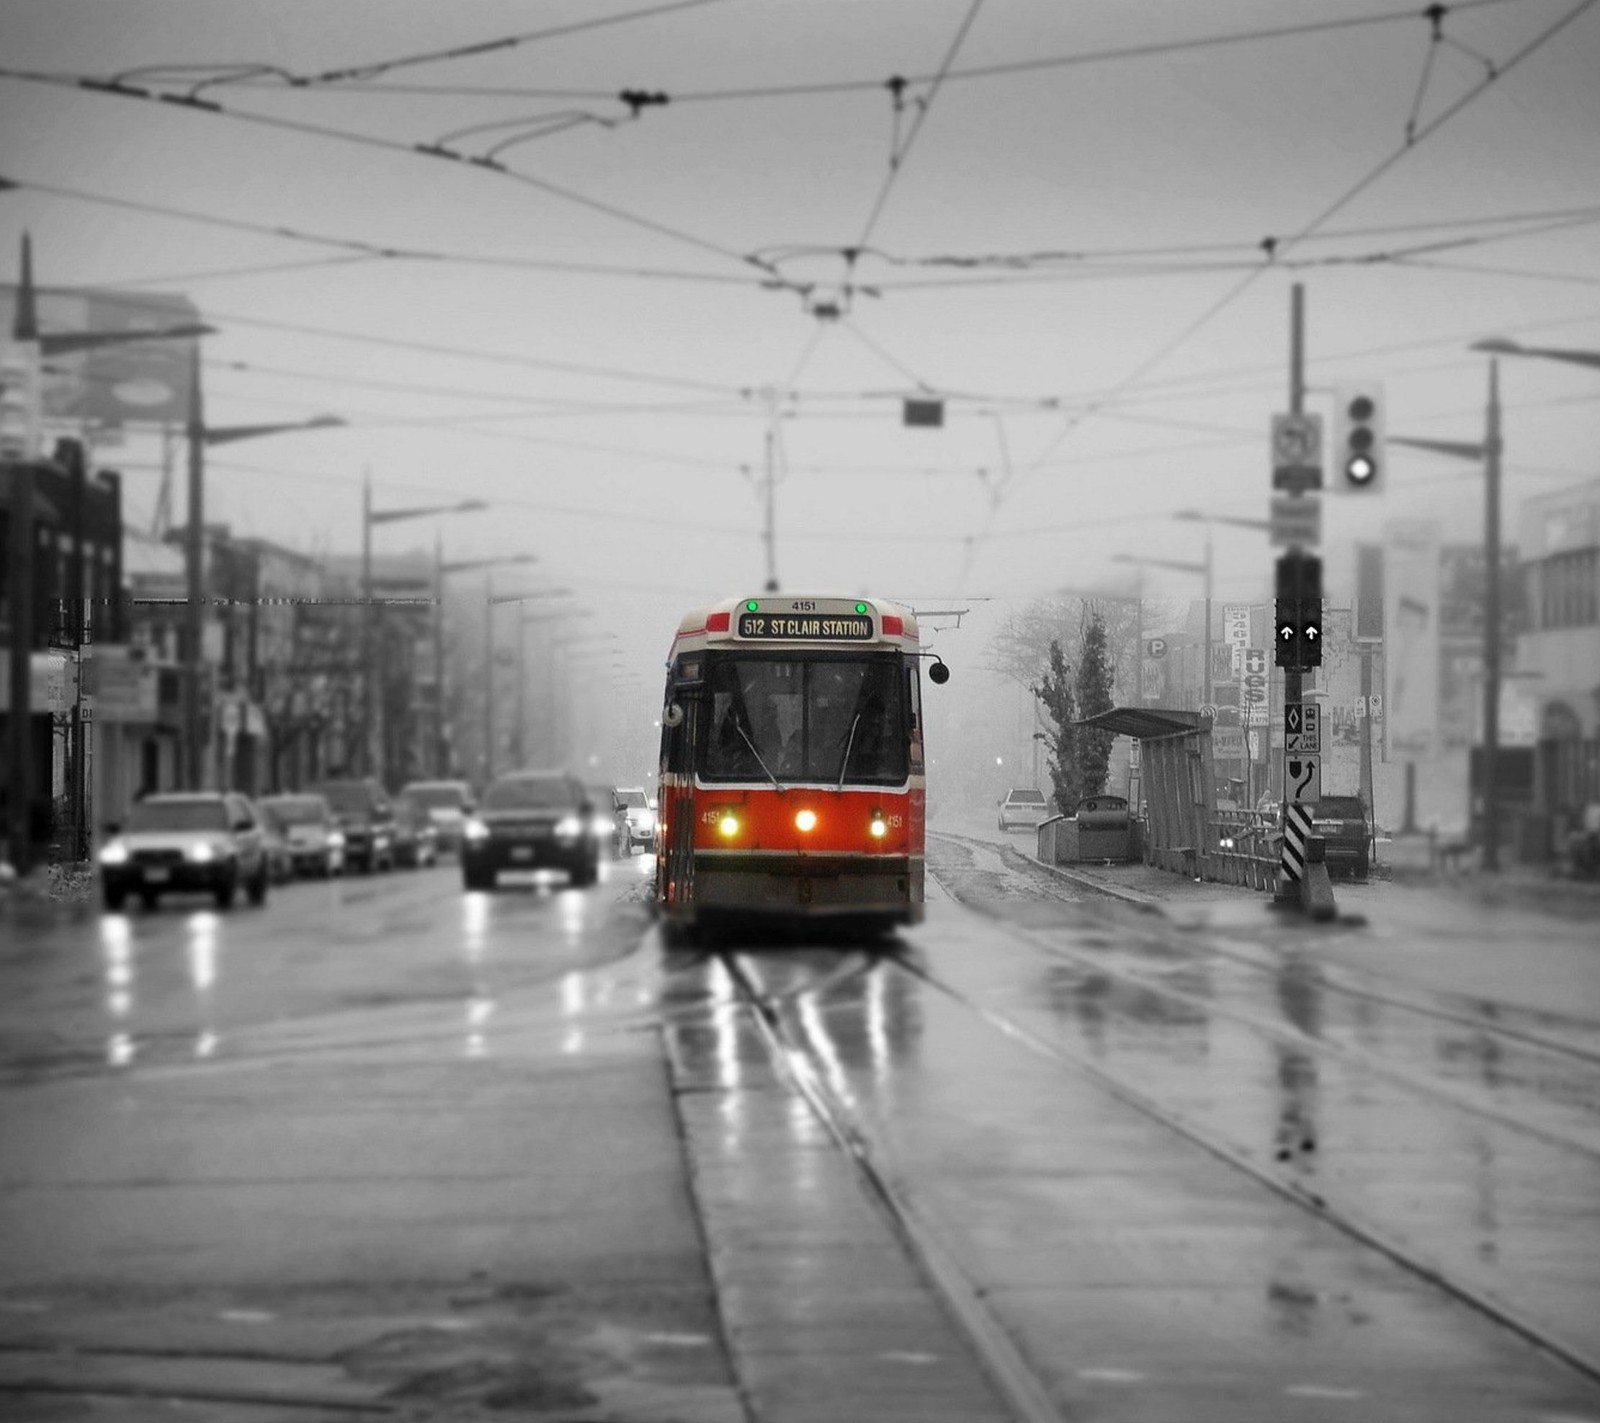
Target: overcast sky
x,y
1061,236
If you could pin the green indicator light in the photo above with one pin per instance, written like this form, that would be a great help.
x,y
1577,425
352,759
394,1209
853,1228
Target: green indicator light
x,y
861,607
752,606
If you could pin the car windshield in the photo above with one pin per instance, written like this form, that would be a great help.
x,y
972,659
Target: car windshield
x,y
296,812
816,720
177,815
1027,797
529,793
438,797
634,800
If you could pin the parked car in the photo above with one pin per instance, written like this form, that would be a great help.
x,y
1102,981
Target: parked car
x,y
531,820
416,837
1023,809
366,819
639,818
275,840
1342,822
448,804
316,843
205,841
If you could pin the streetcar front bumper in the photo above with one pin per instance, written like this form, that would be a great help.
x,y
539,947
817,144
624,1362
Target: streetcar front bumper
x,y
753,883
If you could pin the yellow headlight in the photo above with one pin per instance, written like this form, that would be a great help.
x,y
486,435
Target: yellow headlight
x,y
729,824
806,820
879,827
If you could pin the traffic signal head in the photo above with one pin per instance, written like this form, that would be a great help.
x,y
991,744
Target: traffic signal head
x,y
1358,454
1297,637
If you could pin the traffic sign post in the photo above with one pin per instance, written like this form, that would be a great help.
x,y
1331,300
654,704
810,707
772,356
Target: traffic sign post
x,y
1302,730
1295,520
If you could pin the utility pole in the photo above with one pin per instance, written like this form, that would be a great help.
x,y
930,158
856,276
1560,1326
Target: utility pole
x,y
1491,620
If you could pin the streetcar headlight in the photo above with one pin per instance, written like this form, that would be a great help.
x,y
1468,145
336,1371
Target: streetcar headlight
x,y
806,820
116,853
728,825
879,827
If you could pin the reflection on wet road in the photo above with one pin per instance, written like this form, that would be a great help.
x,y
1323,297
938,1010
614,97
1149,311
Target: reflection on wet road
x,y
190,984
989,1069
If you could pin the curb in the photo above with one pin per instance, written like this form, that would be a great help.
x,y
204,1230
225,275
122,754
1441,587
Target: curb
x,y
1086,881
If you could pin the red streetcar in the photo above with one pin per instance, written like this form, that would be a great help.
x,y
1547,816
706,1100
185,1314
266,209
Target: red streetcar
x,y
792,783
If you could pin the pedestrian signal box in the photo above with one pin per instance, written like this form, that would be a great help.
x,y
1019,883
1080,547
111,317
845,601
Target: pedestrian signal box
x,y
1297,639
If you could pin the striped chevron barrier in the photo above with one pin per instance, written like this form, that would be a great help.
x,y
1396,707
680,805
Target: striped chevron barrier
x,y
1296,832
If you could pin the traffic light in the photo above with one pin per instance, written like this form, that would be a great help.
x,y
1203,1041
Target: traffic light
x,y
1297,641
1358,455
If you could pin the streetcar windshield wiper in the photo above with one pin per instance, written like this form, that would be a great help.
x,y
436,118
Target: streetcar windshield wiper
x,y
768,769
848,744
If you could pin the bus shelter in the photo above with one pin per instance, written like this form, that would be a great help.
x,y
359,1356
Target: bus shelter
x,y
1171,781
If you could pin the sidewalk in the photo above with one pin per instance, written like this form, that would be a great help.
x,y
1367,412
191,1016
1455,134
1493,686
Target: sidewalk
x,y
1403,868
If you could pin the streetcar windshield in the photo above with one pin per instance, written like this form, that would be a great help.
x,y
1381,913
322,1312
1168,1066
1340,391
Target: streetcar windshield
x,y
832,720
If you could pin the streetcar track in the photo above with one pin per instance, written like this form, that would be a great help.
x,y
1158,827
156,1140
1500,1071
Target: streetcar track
x,y
1356,1229
991,1343
999,1358
1299,1038
1205,937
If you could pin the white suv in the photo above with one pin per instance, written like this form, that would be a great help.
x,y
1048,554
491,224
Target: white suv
x,y
641,817
1023,809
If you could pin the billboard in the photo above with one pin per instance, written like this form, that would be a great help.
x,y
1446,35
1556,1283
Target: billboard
x,y
1411,635
138,383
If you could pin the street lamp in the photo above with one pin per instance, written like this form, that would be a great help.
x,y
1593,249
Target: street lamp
x,y
200,438
1499,346
524,622
492,600
372,731
440,569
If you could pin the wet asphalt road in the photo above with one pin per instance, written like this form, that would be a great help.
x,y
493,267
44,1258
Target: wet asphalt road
x,y
1141,1153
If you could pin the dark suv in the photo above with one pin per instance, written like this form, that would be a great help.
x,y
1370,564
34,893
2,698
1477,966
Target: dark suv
x,y
1341,820
531,820
366,818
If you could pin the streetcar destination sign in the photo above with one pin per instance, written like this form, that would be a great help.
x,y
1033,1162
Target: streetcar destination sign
x,y
790,627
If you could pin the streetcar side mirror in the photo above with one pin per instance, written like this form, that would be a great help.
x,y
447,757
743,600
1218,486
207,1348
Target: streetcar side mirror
x,y
673,714
938,673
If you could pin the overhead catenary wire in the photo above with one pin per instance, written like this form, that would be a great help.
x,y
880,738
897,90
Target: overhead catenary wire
x,y
1153,49
1341,201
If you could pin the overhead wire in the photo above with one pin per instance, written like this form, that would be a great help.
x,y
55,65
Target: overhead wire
x,y
924,104
413,150
1237,289
823,88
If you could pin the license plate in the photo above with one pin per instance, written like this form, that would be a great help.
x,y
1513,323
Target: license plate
x,y
157,876
522,852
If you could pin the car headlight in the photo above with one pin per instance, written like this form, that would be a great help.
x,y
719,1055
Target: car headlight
x,y
569,827
475,830
335,839
116,853
201,853
603,825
